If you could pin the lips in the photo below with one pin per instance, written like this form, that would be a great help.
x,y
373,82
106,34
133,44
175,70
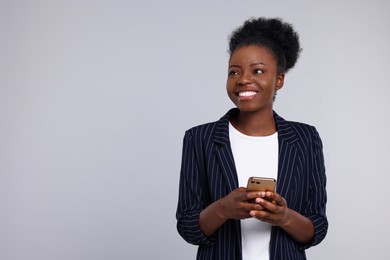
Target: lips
x,y
247,93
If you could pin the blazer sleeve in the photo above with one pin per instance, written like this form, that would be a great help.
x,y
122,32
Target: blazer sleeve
x,y
316,206
192,193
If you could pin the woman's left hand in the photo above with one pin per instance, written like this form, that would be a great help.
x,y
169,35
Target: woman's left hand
x,y
275,210
277,213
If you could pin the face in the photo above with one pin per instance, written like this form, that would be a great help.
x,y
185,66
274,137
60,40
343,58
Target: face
x,y
253,79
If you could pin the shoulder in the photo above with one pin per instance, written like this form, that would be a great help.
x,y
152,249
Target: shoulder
x,y
212,130
302,131
204,131
203,128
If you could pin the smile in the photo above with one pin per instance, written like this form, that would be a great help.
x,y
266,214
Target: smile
x,y
247,93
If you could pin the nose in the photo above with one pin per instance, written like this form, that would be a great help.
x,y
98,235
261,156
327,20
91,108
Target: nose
x,y
245,79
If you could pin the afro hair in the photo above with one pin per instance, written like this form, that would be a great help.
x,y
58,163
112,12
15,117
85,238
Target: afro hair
x,y
278,36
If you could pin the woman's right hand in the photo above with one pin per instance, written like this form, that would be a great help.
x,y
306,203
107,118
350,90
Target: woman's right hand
x,y
235,205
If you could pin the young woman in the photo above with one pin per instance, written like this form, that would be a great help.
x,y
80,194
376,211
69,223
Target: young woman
x,y
215,210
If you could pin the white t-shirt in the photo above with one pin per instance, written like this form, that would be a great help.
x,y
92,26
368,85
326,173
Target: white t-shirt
x,y
254,156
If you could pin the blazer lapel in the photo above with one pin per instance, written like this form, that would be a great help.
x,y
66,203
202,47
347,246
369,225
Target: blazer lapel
x,y
224,152
287,154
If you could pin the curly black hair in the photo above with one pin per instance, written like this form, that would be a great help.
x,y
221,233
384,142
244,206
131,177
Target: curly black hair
x,y
273,33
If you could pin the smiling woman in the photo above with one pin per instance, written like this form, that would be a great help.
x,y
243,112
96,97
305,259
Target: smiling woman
x,y
215,210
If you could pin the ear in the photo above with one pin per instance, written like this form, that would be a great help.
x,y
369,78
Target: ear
x,y
280,81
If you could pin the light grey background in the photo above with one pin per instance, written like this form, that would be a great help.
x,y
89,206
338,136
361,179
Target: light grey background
x,y
95,97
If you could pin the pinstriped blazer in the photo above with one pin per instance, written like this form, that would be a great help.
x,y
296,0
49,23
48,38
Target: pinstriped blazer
x,y
208,173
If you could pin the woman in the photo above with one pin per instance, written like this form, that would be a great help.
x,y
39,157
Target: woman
x,y
215,210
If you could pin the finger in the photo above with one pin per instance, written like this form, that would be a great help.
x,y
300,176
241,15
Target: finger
x,y
252,205
261,215
257,207
276,198
240,194
254,195
265,202
241,189
269,206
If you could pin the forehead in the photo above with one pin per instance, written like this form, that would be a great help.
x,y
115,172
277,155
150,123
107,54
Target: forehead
x,y
252,53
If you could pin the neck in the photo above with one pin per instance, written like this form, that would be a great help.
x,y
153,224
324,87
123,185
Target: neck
x,y
255,124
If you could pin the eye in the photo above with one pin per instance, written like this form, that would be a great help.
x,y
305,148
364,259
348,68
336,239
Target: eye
x,y
257,71
233,73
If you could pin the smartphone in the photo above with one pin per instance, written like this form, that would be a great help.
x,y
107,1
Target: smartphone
x,y
261,184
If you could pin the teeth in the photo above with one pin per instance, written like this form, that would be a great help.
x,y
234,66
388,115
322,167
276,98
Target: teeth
x,y
246,93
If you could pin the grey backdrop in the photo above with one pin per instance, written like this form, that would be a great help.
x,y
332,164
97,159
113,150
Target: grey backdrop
x,y
95,97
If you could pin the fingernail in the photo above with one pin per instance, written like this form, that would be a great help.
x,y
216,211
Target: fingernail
x,y
259,200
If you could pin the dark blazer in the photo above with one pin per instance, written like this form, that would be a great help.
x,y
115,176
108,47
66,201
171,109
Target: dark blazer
x,y
208,174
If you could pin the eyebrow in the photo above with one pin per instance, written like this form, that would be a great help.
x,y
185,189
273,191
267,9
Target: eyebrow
x,y
251,65
258,63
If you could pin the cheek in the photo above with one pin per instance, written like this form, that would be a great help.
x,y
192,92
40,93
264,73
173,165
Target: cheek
x,y
267,84
230,91
229,86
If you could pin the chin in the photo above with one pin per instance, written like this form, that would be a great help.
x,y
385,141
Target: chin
x,y
250,109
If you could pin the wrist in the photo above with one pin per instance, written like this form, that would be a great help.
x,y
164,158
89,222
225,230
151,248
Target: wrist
x,y
221,210
287,219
